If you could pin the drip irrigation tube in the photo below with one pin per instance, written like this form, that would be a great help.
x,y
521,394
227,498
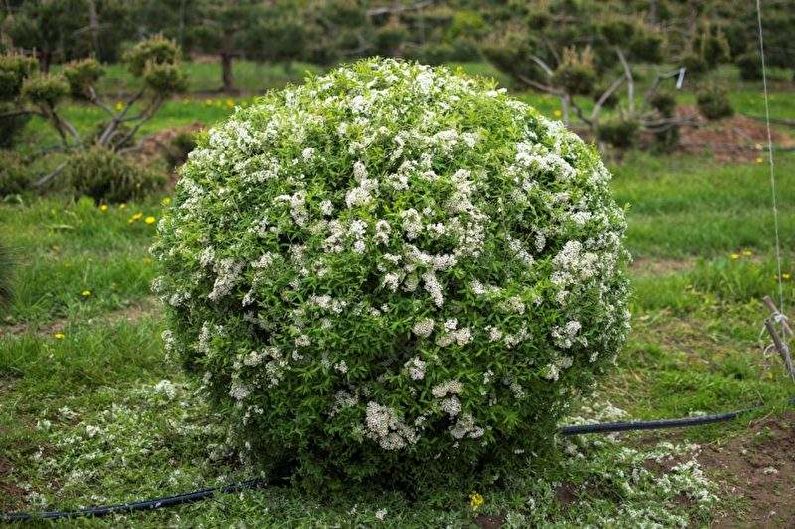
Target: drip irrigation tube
x,y
202,494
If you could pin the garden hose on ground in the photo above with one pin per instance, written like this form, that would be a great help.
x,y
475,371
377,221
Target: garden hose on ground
x,y
202,494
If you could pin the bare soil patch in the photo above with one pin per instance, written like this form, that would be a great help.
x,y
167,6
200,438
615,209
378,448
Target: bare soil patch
x,y
735,139
131,313
661,267
155,145
759,469
10,494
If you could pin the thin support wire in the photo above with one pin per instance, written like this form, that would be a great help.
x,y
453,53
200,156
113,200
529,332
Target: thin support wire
x,y
770,156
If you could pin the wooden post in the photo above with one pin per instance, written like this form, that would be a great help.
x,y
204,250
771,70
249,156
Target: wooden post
x,y
768,301
782,348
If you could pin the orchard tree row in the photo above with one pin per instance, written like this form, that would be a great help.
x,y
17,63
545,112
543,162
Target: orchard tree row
x,y
517,35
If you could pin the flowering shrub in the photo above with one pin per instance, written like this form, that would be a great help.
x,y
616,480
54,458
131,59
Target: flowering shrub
x,y
393,270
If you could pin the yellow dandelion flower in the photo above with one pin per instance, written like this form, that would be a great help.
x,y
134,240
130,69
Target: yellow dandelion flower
x,y
786,276
166,201
230,103
119,106
759,159
103,208
558,113
748,253
59,336
150,220
476,501
735,256
85,293
122,206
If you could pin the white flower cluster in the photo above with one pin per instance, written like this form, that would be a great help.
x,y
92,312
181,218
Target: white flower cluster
x,y
384,426
345,255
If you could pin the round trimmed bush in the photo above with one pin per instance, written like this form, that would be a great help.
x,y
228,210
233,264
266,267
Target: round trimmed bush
x,y
713,103
106,176
393,271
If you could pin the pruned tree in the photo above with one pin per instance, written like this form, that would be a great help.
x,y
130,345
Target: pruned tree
x,y
155,61
226,28
575,50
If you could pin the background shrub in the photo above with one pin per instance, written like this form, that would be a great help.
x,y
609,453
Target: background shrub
x,y
619,132
14,177
105,176
11,124
179,147
750,66
393,271
713,103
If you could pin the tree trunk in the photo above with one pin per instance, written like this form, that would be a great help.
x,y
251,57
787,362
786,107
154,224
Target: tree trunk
x,y
653,12
45,58
93,24
226,73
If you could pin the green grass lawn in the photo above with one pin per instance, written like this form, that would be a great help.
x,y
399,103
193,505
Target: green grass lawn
x,y
85,418
91,412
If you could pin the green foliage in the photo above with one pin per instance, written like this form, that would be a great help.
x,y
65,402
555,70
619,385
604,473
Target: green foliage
x,y
695,64
667,138
165,79
511,52
621,133
409,280
618,31
713,102
460,50
49,27
153,52
466,24
6,272
664,103
576,73
14,69
389,39
82,76
179,147
12,122
14,176
647,46
750,66
45,89
711,46
106,176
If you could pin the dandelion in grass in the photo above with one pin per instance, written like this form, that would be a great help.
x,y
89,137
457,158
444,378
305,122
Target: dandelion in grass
x,y
734,256
86,293
59,336
135,218
103,208
150,220
476,501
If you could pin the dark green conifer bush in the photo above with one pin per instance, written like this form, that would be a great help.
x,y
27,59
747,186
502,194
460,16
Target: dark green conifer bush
x,y
713,102
104,175
395,272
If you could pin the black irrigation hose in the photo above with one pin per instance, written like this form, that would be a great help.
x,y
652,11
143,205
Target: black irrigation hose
x,y
190,497
145,505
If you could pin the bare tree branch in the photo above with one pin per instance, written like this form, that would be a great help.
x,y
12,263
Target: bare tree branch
x,y
605,96
630,81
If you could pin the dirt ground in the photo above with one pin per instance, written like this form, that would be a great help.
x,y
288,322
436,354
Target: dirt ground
x,y
759,469
735,139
